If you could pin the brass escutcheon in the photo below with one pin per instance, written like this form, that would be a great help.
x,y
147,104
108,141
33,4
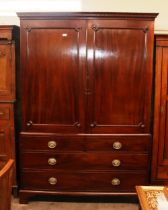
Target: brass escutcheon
x,y
52,161
52,180
115,181
117,145
116,163
52,144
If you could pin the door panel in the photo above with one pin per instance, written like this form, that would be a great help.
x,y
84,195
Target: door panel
x,y
7,78
55,78
119,77
163,127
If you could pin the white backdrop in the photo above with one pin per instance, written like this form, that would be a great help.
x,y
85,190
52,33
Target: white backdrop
x,y
8,8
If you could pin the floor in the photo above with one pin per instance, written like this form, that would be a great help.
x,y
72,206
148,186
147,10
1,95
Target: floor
x,y
57,205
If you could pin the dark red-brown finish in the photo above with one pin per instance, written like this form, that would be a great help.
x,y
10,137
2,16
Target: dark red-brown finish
x,y
53,75
81,181
160,145
139,143
86,86
87,160
118,66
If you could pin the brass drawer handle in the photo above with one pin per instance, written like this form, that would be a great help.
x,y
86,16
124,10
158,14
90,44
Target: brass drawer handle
x,y
52,144
2,113
115,181
52,161
93,125
29,123
117,145
52,180
116,162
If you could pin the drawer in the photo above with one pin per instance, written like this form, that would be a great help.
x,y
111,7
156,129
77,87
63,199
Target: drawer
x,y
116,143
5,111
82,181
84,161
51,142
5,34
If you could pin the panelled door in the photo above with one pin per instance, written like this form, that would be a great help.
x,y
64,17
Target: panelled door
x,y
119,57
7,74
53,62
160,152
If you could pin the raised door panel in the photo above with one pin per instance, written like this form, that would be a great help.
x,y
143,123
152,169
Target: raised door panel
x,y
120,72
161,117
52,77
7,74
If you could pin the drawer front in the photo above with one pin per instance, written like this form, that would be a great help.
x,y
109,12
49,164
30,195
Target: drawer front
x,y
86,143
119,143
51,143
5,111
84,161
5,34
82,181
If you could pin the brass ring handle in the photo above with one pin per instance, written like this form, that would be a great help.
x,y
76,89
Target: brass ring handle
x,y
117,145
116,162
142,125
1,113
29,123
115,181
52,180
93,125
78,125
52,161
52,144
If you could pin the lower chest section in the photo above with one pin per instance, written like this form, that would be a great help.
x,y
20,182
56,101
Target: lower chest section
x,y
84,163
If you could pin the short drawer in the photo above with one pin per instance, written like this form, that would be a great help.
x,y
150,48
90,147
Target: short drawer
x,y
136,143
51,142
4,111
5,34
84,161
82,181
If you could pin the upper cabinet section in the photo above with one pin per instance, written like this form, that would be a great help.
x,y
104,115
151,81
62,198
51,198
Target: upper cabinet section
x,y
87,72
8,34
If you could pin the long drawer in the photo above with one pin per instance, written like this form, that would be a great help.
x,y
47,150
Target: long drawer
x,y
84,161
53,142
82,181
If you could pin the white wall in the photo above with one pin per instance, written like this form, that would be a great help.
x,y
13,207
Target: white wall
x,y
8,8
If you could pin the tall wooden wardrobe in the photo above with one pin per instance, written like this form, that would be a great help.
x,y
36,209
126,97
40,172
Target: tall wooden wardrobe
x,y
86,89
8,44
160,129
